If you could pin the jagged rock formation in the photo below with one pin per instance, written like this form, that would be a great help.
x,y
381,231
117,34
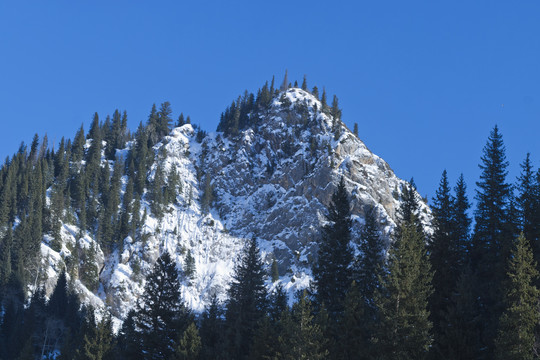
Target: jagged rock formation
x,y
271,181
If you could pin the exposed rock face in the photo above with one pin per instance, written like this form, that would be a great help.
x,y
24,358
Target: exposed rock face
x,y
272,181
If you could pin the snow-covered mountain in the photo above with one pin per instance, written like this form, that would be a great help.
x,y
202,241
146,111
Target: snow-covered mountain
x,y
272,182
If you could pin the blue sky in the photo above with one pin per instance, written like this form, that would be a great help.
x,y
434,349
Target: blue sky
x,y
425,81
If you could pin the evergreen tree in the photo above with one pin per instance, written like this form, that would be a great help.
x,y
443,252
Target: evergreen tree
x,y
461,219
492,242
160,311
77,150
368,267
460,338
355,328
335,111
98,342
405,328
445,253
528,204
164,119
128,346
211,331
181,120
302,337
189,344
323,100
274,271
332,272
247,301
516,329
355,129
284,84
315,92
189,266
304,84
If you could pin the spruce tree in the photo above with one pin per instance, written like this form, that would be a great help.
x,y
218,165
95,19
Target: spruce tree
x,y
368,267
247,301
160,312
302,337
460,338
444,254
128,346
492,242
402,300
461,219
284,84
528,205
189,266
211,331
189,344
98,341
332,272
516,338
355,328
274,272
304,84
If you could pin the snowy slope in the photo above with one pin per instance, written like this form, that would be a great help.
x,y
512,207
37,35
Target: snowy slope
x,y
272,182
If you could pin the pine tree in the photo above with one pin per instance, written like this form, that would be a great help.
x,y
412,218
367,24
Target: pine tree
x,y
58,301
460,338
355,328
444,255
516,329
302,337
284,84
189,344
492,242
368,267
355,129
181,120
247,301
323,100
304,84
332,272
189,266
211,331
128,346
462,220
528,203
164,119
274,271
160,312
335,111
98,342
5,257
315,92
405,328
77,150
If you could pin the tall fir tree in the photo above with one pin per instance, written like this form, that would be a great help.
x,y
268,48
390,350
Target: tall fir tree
x,y
528,205
247,301
332,273
491,242
302,337
369,265
516,338
460,338
161,315
212,331
405,330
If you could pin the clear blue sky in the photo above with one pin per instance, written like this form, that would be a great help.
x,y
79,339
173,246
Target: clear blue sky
x,y
425,81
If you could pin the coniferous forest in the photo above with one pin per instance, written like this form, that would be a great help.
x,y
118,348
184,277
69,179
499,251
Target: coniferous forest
x,y
465,289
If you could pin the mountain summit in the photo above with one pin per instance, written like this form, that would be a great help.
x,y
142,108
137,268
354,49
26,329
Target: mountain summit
x,y
268,174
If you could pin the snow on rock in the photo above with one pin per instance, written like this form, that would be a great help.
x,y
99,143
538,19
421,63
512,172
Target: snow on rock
x,y
271,182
